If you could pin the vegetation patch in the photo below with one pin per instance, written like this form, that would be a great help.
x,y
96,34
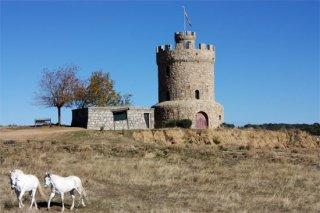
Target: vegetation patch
x,y
182,123
313,129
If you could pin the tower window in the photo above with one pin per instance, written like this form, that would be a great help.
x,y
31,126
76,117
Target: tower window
x,y
197,94
219,117
168,96
168,71
188,45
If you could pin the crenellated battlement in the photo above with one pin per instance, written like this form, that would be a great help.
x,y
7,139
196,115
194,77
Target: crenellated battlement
x,y
186,33
168,47
203,46
181,37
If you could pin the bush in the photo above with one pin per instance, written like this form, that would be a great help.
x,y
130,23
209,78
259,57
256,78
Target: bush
x,y
313,129
225,125
170,123
184,123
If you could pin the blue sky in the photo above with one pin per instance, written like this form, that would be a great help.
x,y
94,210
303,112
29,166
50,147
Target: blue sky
x,y
267,52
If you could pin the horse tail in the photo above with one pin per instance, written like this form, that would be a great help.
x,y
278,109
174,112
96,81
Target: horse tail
x,y
84,193
43,196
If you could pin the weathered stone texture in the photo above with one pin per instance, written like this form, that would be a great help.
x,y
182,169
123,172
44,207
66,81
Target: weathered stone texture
x,y
102,117
183,73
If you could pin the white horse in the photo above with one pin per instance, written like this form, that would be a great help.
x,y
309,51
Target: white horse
x,y
22,183
62,185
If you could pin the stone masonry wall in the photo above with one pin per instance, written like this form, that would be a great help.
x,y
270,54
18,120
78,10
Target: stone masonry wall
x,y
184,72
188,110
137,121
102,117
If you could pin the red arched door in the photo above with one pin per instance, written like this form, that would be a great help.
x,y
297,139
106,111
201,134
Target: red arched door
x,y
201,120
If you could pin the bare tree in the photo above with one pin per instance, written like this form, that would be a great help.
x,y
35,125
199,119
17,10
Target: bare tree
x,y
57,88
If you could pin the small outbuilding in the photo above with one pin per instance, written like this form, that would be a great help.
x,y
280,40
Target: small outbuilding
x,y
113,118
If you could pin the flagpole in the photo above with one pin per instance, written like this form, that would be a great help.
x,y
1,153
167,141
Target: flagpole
x,y
184,19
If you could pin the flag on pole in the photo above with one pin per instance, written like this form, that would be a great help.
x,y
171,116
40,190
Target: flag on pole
x,y
187,19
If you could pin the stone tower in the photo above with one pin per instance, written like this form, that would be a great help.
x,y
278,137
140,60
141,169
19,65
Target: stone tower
x,y
186,83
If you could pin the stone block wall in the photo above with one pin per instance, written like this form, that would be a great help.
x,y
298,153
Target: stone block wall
x,y
188,110
102,117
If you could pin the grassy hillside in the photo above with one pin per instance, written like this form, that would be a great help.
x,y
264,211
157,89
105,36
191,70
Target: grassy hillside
x,y
170,170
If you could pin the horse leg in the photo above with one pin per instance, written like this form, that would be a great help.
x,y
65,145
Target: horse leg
x,y
73,197
17,194
20,198
51,196
33,201
62,197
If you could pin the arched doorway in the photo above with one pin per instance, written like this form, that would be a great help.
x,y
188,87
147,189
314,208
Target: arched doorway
x,y
201,120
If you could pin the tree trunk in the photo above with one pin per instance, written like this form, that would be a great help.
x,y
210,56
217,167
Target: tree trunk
x,y
59,116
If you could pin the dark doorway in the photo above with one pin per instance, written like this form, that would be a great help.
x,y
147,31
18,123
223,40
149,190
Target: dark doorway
x,y
147,119
168,96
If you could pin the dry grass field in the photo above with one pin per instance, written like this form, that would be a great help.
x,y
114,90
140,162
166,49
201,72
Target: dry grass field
x,y
227,170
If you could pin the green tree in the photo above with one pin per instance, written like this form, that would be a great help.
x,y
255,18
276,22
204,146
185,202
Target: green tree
x,y
99,91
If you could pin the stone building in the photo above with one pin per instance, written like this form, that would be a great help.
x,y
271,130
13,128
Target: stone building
x,y
185,90
113,118
186,83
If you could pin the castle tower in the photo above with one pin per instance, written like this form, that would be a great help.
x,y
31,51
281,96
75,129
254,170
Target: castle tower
x,y
186,83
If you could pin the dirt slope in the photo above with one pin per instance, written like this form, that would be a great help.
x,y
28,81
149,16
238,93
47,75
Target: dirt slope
x,y
227,137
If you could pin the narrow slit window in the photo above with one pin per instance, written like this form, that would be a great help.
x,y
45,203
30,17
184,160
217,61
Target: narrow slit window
x,y
168,96
197,94
168,71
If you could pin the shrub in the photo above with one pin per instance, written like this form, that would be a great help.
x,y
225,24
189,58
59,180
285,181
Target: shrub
x,y
184,123
170,123
313,129
227,125
216,140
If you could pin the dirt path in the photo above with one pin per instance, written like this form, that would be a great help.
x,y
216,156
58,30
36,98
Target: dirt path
x,y
31,132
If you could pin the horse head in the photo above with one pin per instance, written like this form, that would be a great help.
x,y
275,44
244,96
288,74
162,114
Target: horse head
x,y
14,177
47,179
